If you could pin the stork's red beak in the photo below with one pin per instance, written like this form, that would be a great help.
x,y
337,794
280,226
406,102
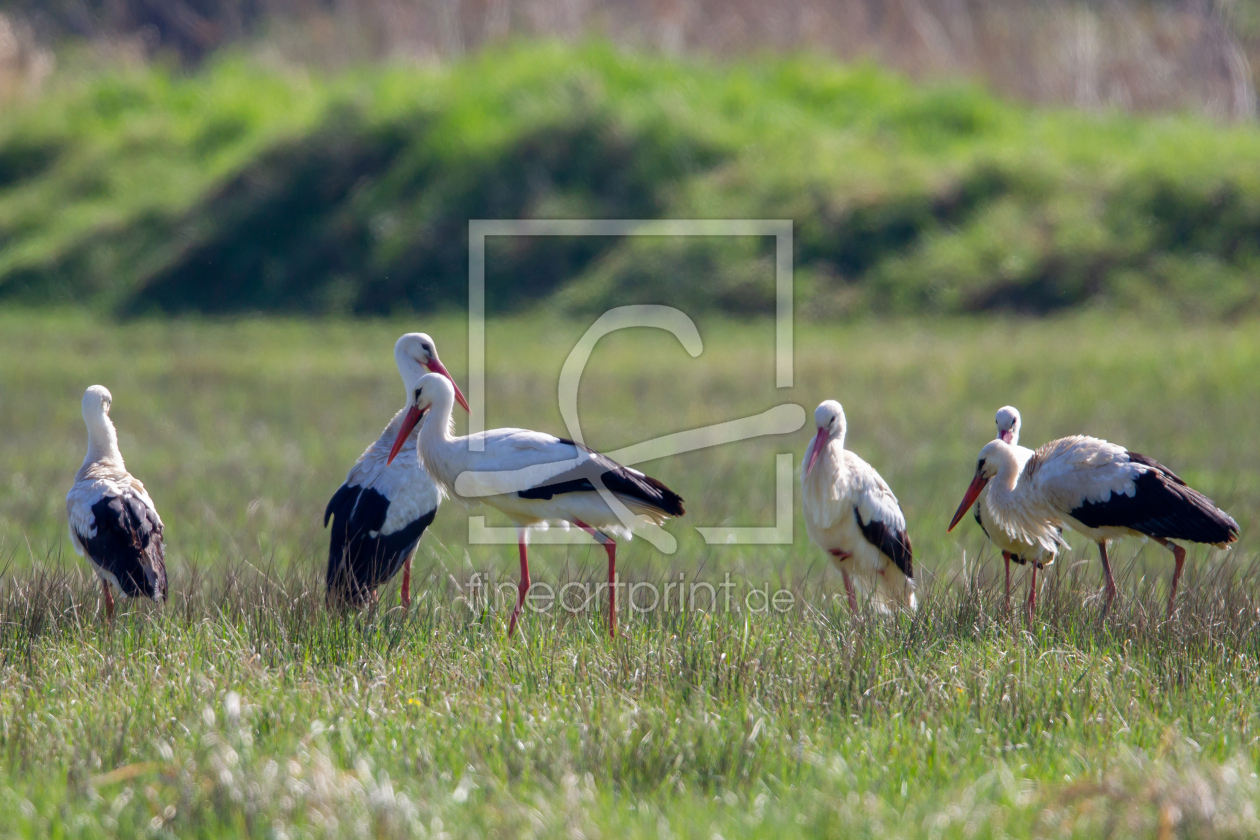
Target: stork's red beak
x,y
1005,435
977,484
820,443
437,367
409,422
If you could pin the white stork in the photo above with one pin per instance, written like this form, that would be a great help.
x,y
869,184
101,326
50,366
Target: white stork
x,y
851,513
382,509
112,519
534,478
1012,547
1102,491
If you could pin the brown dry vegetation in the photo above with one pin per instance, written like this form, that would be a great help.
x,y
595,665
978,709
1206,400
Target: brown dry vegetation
x,y
1196,55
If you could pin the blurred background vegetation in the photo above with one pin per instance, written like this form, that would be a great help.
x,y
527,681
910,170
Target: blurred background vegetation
x,y
937,156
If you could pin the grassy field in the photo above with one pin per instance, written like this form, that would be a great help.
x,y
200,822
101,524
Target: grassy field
x,y
244,709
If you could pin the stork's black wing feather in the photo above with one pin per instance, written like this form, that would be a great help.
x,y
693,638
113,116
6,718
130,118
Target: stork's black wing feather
x,y
892,542
342,502
1162,505
339,509
128,544
360,557
618,479
1138,458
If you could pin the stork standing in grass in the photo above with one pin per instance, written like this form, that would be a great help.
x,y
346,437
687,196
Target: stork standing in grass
x,y
112,519
1100,490
851,513
533,478
382,509
1013,548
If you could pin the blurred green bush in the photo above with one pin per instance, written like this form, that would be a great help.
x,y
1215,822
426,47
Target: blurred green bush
x,y
248,188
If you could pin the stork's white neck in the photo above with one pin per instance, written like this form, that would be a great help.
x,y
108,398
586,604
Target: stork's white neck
x,y
1007,478
410,371
438,449
831,460
828,474
1017,507
102,442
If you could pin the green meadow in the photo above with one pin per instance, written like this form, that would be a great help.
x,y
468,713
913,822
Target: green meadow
x,y
243,708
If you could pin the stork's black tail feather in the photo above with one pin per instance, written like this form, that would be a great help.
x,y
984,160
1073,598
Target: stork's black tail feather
x,y
668,500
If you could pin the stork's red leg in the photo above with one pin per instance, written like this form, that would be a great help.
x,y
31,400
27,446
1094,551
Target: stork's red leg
x,y
1032,593
1111,581
523,586
848,587
109,601
1006,558
406,583
611,547
1179,554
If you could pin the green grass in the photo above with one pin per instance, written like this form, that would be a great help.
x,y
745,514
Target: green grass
x,y
243,708
245,188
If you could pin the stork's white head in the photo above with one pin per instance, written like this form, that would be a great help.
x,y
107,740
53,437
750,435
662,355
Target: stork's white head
x,y
416,356
829,417
992,457
96,403
1008,424
434,393
996,455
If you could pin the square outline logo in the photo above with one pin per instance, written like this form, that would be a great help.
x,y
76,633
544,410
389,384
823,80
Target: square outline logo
x,y
782,230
